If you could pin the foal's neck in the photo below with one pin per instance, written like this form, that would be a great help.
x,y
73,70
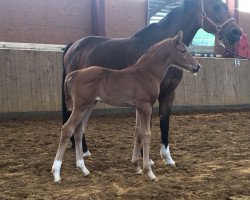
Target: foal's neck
x,y
155,66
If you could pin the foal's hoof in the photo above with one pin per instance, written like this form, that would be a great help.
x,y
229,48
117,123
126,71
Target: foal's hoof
x,y
81,166
138,171
86,172
57,177
151,162
152,177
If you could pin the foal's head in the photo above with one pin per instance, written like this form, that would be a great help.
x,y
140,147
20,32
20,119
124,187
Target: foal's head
x,y
180,56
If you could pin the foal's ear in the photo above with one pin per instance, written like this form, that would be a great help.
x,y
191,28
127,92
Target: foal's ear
x,y
177,38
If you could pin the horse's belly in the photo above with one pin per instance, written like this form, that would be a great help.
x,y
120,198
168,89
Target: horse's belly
x,y
116,102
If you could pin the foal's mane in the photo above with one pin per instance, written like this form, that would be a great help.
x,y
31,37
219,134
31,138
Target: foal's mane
x,y
152,51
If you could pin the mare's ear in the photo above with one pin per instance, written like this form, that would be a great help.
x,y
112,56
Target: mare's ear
x,y
178,38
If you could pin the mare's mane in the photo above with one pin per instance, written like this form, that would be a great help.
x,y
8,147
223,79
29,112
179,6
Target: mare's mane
x,y
187,4
152,51
145,30
170,17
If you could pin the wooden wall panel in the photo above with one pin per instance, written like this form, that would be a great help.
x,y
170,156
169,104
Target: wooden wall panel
x,y
30,81
218,83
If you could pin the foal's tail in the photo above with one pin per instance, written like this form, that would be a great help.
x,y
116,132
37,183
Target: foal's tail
x,y
67,90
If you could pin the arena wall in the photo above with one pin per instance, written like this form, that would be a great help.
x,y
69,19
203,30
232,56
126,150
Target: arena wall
x,y
48,22
61,22
31,82
122,20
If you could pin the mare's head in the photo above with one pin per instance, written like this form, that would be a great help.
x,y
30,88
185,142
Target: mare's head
x,y
214,17
180,56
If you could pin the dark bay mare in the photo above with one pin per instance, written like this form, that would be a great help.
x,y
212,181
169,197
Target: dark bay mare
x,y
140,85
118,53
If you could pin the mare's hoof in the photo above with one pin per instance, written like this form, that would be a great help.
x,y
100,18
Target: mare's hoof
x,y
86,154
165,155
169,162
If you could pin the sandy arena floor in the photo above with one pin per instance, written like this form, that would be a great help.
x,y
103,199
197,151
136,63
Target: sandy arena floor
x,y
211,151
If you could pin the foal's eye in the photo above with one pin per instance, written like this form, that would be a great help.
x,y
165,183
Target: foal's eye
x,y
183,51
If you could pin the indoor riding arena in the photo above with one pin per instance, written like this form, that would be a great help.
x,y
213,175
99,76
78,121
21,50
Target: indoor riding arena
x,y
207,133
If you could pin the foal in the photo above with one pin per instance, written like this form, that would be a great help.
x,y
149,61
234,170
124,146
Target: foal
x,y
137,86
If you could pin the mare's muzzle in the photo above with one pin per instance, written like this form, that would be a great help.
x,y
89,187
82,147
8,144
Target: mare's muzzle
x,y
195,68
233,36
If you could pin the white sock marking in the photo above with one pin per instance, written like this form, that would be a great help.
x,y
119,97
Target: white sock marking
x,y
81,165
56,168
165,153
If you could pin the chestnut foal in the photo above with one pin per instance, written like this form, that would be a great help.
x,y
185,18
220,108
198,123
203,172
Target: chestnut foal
x,y
137,86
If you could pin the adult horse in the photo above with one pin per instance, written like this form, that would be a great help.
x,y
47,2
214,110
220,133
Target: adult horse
x,y
211,15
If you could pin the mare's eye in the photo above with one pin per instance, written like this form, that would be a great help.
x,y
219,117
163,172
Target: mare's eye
x,y
183,51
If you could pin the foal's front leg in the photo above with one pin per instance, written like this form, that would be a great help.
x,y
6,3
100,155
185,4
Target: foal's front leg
x,y
145,116
136,151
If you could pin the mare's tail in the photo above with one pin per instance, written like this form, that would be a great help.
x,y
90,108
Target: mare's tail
x,y
65,112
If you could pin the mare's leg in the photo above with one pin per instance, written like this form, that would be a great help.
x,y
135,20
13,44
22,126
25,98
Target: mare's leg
x,y
137,146
166,98
145,112
67,131
165,104
78,141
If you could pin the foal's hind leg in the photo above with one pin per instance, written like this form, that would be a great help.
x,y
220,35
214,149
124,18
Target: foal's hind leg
x,y
78,141
85,150
67,131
